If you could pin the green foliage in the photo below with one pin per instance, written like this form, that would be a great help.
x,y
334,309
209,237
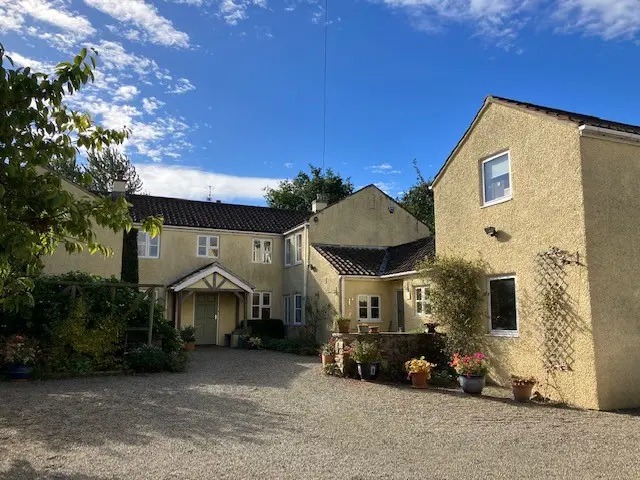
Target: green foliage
x,y
418,200
188,334
37,214
272,328
106,166
316,316
129,270
146,359
332,369
176,362
95,339
456,297
286,345
299,193
365,352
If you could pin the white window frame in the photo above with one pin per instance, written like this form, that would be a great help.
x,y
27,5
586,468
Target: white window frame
x,y
369,318
261,305
486,203
298,248
262,251
208,246
425,301
288,250
286,308
147,245
496,332
297,309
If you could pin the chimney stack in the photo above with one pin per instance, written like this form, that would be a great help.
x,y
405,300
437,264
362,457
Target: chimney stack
x,y
319,204
119,184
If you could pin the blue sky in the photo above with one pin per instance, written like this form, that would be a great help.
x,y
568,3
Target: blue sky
x,y
228,93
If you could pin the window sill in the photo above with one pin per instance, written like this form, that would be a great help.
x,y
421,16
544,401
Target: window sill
x,y
148,258
369,320
504,333
496,202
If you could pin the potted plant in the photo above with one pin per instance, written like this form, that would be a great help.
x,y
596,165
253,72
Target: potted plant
x,y
419,371
522,387
363,328
367,357
471,370
374,329
341,324
188,335
255,343
19,354
328,353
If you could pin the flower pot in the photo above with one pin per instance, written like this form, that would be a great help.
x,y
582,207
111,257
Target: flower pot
x,y
19,373
368,371
419,380
522,393
343,327
363,328
373,329
472,384
189,346
327,359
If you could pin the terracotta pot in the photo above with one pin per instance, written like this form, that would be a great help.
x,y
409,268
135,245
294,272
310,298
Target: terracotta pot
x,y
373,329
419,380
343,327
363,328
522,393
189,346
326,359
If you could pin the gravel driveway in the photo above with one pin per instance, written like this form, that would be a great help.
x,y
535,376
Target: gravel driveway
x,y
250,414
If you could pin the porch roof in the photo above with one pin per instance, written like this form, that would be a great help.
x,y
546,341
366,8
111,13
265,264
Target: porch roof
x,y
214,270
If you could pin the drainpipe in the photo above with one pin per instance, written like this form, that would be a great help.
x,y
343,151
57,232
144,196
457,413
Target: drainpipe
x,y
306,272
342,295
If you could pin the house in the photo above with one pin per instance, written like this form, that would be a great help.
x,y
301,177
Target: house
x,y
222,263
548,199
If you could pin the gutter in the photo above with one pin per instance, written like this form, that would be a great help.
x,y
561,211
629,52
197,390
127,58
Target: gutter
x,y
342,296
590,131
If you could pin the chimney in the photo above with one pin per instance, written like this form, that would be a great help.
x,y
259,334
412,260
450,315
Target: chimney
x,y
119,184
319,204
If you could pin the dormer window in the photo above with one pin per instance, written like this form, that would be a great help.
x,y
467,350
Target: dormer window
x,y
496,179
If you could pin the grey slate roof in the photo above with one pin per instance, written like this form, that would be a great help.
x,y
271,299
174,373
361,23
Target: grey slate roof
x,y
376,261
222,216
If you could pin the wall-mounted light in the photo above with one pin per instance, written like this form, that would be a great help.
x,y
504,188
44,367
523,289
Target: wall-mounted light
x,y
491,231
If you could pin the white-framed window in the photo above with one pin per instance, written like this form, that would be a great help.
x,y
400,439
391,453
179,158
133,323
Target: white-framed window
x,y
262,250
148,247
297,309
261,306
298,245
369,308
286,307
423,305
503,315
496,179
288,251
208,246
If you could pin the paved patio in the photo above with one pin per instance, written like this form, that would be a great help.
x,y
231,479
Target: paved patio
x,y
249,414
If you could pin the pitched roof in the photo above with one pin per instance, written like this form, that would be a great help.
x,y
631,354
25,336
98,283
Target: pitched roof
x,y
222,216
578,118
377,261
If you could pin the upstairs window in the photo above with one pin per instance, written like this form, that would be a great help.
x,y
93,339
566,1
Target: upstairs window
x,y
369,308
496,179
502,306
208,246
288,251
148,247
261,306
297,309
262,251
298,244
423,305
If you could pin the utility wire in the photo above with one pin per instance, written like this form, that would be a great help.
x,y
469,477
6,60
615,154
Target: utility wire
x,y
324,83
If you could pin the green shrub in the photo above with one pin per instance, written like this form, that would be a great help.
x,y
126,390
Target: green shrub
x,y
272,328
169,336
286,345
176,361
188,334
365,352
146,359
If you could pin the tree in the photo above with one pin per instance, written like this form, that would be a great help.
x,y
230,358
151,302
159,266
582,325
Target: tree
x,y
297,194
418,200
37,214
106,166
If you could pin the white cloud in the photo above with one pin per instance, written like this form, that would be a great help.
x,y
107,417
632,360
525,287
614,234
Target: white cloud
x,y
384,169
35,65
233,11
288,165
183,85
112,55
386,187
125,93
609,19
150,105
144,16
191,182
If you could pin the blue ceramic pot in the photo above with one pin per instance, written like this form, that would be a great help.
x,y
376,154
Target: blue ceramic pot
x,y
368,371
19,373
472,385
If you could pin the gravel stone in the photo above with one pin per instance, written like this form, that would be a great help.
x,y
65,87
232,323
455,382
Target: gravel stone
x,y
240,414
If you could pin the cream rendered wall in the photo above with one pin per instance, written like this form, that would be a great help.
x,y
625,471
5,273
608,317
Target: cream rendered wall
x,y
364,219
611,175
293,275
178,257
413,321
325,282
373,286
546,210
96,264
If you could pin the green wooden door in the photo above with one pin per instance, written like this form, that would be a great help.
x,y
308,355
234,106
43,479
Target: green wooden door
x,y
206,318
